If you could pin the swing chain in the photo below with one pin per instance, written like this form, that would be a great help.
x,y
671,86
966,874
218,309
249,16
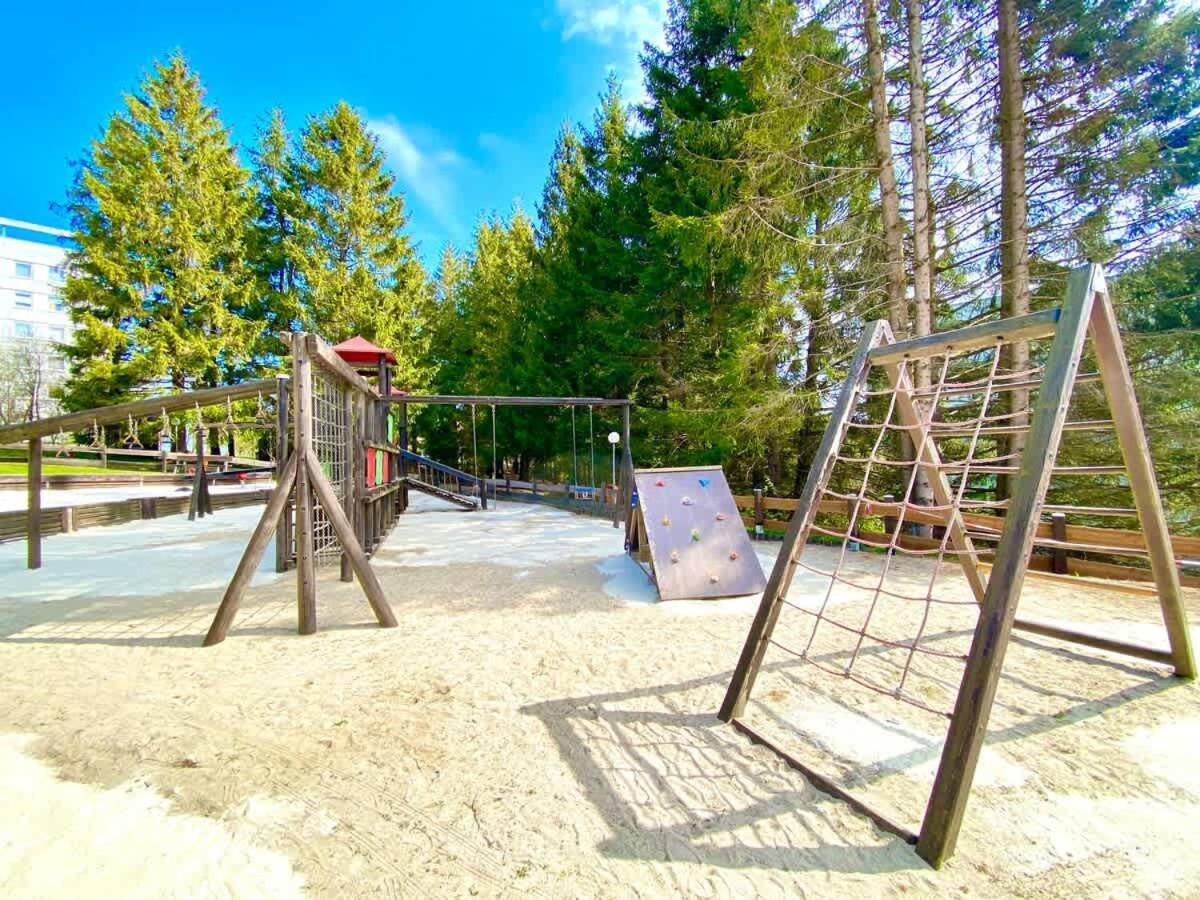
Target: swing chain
x,y
97,437
60,442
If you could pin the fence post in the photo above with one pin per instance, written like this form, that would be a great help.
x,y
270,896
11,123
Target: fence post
x,y
760,516
852,531
1058,531
68,519
33,479
889,522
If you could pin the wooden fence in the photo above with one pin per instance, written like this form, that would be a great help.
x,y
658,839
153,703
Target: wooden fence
x,y
769,516
65,519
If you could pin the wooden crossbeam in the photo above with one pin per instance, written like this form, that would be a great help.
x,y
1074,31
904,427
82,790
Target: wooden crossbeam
x,y
1021,328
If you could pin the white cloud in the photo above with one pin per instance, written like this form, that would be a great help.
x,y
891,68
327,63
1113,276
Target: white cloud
x,y
624,22
623,25
424,169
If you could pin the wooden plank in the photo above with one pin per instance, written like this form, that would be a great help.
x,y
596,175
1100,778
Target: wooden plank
x,y
33,539
267,525
1091,639
973,705
1135,450
358,559
1021,328
750,661
117,413
492,400
306,576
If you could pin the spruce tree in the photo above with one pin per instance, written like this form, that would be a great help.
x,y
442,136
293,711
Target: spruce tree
x,y
356,267
159,208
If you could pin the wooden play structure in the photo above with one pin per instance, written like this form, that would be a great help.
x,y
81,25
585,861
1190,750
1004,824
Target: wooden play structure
x,y
947,423
347,470
687,529
35,435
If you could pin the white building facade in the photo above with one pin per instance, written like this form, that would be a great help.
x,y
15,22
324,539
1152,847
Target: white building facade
x,y
33,316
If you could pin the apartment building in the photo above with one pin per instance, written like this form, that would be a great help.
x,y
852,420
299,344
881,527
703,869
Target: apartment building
x,y
33,317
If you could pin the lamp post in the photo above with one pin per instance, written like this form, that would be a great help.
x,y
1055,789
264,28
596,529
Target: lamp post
x,y
614,438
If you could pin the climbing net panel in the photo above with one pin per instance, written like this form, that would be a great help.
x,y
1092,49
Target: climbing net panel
x,y
914,601
329,433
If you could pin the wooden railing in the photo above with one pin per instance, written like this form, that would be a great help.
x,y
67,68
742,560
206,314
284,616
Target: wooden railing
x,y
769,516
65,519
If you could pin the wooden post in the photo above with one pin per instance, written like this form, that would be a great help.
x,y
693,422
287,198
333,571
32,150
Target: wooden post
x,y
283,528
760,515
1058,531
1122,402
627,484
349,482
890,523
33,480
306,579
68,519
968,726
196,506
403,461
149,508
744,675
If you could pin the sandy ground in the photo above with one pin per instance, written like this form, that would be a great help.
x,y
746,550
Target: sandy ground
x,y
536,725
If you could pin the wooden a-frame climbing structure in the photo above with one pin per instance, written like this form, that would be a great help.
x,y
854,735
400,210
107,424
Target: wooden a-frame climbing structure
x,y
1086,311
303,480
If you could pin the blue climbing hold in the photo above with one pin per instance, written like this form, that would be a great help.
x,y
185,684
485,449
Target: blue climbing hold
x,y
705,482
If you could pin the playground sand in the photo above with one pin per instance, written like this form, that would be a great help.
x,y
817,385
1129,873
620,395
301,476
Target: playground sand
x,y
536,726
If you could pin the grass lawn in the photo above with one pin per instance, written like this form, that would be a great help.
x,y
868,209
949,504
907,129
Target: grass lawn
x,y
20,468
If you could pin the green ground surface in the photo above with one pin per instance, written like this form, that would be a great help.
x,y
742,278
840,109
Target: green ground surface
x,y
20,468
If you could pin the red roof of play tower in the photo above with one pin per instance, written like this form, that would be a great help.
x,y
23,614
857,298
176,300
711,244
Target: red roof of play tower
x,y
359,351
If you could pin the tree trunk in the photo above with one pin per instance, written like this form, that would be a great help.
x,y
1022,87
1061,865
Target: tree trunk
x,y
1014,224
889,193
922,224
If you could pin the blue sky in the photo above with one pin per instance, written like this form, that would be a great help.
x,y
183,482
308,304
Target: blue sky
x,y
466,97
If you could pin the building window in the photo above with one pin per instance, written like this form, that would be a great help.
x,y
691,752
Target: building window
x,y
58,274
23,329
24,300
58,333
56,300
24,270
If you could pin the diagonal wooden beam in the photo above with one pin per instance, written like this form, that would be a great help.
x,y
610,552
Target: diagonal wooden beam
x,y
252,555
985,662
1127,420
350,545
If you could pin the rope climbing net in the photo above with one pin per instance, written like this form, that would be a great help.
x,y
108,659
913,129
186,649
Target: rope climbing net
x,y
329,432
928,490
892,612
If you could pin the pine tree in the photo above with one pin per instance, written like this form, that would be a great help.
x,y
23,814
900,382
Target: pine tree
x,y
274,253
159,208
356,268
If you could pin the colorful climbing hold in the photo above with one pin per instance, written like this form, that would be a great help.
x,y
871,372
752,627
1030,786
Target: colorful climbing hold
x,y
674,556
720,517
705,482
660,483
695,534
712,577
733,555
687,501
666,520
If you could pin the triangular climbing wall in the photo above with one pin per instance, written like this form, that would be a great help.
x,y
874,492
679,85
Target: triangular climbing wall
x,y
697,545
